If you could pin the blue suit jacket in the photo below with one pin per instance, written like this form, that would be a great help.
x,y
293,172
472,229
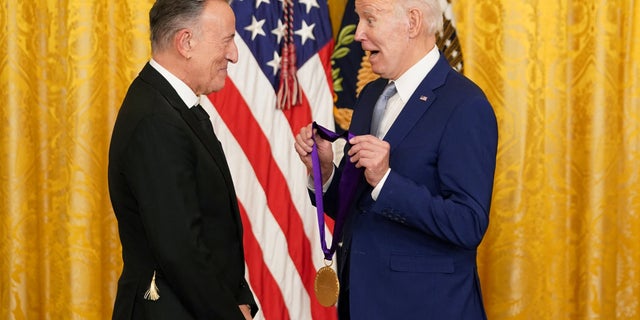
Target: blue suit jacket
x,y
411,254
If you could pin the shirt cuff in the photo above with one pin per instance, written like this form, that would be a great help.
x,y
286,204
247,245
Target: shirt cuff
x,y
325,186
378,188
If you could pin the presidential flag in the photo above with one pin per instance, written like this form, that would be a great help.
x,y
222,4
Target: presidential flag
x,y
281,82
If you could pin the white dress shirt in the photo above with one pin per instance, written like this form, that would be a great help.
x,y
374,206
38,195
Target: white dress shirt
x,y
406,84
186,94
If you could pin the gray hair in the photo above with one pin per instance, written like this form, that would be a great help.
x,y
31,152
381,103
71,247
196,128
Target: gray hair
x,y
167,17
433,13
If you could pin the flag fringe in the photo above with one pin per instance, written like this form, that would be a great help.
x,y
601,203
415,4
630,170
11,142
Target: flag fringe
x,y
289,91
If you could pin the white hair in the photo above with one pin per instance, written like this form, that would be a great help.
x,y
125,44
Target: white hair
x,y
432,9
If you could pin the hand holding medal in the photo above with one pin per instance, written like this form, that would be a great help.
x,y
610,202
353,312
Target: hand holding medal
x,y
327,286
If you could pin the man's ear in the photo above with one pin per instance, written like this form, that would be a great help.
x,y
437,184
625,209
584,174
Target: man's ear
x,y
182,42
415,22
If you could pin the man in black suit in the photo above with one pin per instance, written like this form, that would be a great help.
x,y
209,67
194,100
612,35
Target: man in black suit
x,y
169,182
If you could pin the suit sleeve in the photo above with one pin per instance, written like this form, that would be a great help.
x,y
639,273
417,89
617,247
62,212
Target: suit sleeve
x,y
161,166
458,212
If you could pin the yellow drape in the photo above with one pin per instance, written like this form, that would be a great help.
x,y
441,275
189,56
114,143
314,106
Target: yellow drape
x,y
65,68
564,79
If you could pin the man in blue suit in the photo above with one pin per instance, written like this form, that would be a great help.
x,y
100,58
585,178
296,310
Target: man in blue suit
x,y
422,205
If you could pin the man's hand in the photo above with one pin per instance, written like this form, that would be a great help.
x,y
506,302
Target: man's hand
x,y
370,153
246,311
304,146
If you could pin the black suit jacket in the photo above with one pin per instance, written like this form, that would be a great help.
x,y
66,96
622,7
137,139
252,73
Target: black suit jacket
x,y
177,211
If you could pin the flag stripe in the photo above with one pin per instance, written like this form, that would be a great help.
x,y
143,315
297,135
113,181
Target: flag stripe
x,y
265,228
275,126
261,100
271,181
256,147
272,302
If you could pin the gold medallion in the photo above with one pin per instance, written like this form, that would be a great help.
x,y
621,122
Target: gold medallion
x,y
327,286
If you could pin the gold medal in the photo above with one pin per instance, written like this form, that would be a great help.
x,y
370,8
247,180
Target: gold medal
x,y
327,286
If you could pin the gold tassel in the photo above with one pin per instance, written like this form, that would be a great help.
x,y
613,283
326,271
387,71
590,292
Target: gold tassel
x,y
153,292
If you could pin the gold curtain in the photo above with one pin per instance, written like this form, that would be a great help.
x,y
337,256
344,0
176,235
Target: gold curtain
x,y
564,79
65,68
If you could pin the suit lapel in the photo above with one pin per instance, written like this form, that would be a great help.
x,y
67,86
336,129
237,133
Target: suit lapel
x,y
206,137
421,99
212,144
209,140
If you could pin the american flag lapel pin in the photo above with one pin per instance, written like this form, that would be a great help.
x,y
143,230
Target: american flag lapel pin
x,y
423,98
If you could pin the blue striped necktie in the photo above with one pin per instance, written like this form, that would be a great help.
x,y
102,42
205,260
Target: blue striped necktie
x,y
381,105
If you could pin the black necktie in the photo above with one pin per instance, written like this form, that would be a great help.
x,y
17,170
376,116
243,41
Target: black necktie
x,y
203,118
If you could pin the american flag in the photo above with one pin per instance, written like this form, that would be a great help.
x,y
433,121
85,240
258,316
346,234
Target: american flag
x,y
281,241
